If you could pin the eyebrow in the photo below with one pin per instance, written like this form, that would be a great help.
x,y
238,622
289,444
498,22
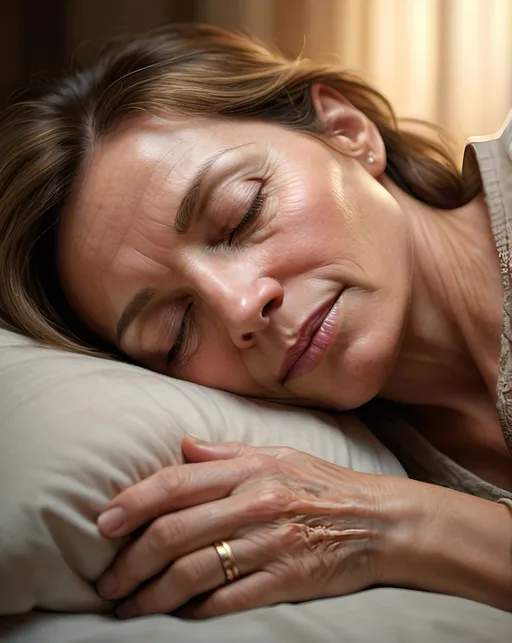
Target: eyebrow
x,y
186,210
190,202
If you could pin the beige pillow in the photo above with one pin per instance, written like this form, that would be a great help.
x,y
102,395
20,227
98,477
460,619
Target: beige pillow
x,y
75,430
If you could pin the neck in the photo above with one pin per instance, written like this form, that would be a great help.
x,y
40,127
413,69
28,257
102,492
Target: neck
x,y
451,345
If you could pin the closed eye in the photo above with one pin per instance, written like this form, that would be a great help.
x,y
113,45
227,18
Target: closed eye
x,y
250,216
176,353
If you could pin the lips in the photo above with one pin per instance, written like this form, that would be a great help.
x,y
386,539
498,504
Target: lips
x,y
314,338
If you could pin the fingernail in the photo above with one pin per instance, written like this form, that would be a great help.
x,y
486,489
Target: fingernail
x,y
196,438
107,585
111,520
126,610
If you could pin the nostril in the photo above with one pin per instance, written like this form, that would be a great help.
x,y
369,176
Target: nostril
x,y
268,307
247,337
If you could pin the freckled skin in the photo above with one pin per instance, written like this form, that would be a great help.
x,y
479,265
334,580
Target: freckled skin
x,y
326,224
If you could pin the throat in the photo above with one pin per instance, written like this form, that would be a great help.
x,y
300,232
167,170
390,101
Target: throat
x,y
452,339
447,369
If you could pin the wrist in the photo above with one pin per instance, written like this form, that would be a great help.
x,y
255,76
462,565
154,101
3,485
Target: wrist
x,y
445,541
408,516
403,514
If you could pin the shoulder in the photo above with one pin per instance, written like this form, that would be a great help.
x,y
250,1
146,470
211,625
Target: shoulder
x,y
499,142
492,157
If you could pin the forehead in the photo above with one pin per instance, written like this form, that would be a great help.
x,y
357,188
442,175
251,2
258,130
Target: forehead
x,y
132,168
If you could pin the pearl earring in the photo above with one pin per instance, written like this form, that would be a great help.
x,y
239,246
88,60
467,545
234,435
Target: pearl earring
x,y
370,159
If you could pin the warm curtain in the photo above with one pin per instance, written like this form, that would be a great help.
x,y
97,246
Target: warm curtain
x,y
447,61
40,37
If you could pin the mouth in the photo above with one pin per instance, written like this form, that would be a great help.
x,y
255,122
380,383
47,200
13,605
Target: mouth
x,y
315,338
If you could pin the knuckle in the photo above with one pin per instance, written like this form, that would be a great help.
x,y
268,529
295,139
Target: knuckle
x,y
221,603
188,572
169,479
242,448
259,462
164,483
274,502
284,453
164,533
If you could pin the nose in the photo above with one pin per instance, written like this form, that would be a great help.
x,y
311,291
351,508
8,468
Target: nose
x,y
246,307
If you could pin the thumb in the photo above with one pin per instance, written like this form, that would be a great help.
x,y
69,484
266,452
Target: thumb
x,y
197,450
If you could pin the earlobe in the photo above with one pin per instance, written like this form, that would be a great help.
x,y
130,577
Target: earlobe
x,y
356,136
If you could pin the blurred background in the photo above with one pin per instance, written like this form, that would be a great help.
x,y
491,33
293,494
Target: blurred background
x,y
447,61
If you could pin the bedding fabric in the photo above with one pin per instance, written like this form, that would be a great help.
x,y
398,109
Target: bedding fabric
x,y
375,616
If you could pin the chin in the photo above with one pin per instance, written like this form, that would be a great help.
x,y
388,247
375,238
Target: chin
x,y
354,379
369,377
336,395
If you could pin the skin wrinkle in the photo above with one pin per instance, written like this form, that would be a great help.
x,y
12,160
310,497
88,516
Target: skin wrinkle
x,y
329,223
325,543
326,540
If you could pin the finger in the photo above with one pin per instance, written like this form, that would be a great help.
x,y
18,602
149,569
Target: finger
x,y
175,535
197,450
222,450
188,577
256,590
173,488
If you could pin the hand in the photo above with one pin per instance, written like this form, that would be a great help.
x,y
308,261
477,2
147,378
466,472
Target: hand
x,y
300,528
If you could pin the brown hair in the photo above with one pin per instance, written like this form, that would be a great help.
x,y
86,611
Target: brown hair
x,y
45,141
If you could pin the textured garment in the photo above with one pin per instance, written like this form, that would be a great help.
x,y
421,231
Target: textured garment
x,y
492,157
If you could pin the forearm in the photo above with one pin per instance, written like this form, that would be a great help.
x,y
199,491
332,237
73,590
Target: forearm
x,y
449,542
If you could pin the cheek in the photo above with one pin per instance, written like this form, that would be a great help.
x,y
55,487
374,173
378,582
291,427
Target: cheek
x,y
218,364
314,217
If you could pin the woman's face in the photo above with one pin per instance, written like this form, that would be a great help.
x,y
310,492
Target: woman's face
x,y
242,256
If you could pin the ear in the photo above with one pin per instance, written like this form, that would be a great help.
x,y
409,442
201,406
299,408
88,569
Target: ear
x,y
355,134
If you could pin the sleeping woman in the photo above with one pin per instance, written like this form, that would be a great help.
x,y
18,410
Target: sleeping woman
x,y
201,205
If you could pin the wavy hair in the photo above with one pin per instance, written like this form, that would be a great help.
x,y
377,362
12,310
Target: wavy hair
x,y
46,139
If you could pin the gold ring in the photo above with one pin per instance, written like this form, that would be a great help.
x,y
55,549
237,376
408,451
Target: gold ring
x,y
227,560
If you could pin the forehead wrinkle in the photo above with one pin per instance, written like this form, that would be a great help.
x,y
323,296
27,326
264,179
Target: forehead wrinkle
x,y
158,197
135,220
97,203
151,232
109,240
140,213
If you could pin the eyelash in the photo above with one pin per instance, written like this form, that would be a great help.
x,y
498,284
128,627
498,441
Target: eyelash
x,y
175,355
251,215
